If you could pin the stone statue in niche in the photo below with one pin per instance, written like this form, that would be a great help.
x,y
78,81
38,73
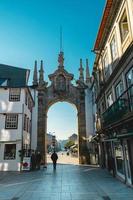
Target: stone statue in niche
x,y
60,83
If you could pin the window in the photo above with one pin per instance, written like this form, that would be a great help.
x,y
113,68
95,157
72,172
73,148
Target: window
x,y
14,94
27,124
26,98
30,127
110,99
25,118
11,121
113,47
119,157
119,89
124,29
103,106
129,77
10,152
29,104
106,64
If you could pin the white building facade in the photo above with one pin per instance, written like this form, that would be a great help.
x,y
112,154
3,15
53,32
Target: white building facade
x,y
16,105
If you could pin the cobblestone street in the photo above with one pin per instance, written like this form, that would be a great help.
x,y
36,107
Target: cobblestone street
x,y
69,182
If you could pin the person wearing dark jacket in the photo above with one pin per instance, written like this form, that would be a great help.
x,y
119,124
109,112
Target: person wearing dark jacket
x,y
54,158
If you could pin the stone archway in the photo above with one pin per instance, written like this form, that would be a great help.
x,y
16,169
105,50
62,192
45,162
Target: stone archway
x,y
61,89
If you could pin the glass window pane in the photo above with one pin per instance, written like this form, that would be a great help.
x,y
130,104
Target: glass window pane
x,y
10,152
124,30
119,157
119,89
113,47
14,94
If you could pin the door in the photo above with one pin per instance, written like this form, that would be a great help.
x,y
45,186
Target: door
x,y
127,163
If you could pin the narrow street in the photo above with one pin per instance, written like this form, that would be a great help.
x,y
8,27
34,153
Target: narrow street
x,y
69,182
63,158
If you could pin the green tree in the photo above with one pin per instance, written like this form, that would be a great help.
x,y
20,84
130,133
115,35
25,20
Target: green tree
x,y
69,144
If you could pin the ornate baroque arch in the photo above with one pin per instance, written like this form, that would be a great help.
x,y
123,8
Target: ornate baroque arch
x,y
61,89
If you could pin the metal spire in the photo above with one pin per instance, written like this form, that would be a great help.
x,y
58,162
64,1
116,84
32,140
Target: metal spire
x,y
81,70
41,76
35,77
87,72
61,43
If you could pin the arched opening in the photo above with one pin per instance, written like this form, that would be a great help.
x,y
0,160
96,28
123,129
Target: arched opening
x,y
62,132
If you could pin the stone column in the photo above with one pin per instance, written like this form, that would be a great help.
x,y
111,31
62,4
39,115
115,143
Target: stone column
x,y
42,125
83,153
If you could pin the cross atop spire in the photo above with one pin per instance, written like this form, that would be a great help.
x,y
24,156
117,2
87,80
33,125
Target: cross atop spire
x,y
81,71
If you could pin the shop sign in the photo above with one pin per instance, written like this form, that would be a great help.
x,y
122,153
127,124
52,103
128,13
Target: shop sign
x,y
26,163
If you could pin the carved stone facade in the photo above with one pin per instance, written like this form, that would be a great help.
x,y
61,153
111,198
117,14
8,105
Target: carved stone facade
x,y
61,89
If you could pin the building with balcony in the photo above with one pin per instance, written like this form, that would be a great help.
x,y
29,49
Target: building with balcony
x,y
113,80
16,105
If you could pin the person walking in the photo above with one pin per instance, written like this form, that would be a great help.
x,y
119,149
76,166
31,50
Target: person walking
x,y
54,158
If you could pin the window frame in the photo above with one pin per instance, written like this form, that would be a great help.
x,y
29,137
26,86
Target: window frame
x,y
4,156
7,115
26,98
11,99
120,82
25,122
131,69
108,94
106,67
123,37
113,58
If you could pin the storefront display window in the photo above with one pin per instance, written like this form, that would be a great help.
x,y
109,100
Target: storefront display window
x,y
127,161
10,152
119,158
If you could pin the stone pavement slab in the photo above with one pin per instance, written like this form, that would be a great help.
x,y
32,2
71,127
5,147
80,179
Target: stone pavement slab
x,y
68,182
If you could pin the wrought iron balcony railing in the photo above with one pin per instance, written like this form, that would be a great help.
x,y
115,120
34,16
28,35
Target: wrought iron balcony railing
x,y
120,108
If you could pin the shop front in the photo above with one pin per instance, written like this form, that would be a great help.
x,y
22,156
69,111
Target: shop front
x,y
9,156
122,157
119,157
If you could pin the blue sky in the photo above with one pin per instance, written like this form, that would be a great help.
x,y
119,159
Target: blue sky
x,y
29,30
62,120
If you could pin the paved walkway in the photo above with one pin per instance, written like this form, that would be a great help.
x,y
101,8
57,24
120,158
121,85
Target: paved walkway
x,y
64,159
69,182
